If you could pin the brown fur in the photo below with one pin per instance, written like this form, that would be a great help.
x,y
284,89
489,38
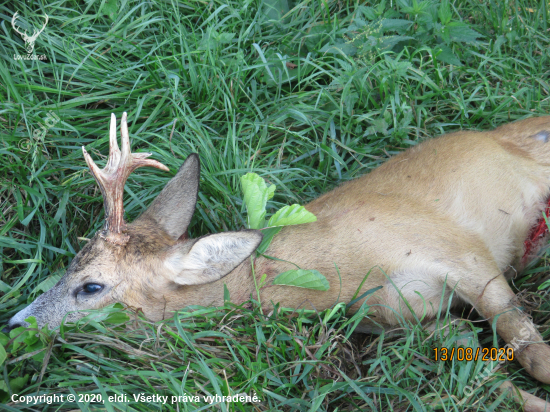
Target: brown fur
x,y
450,214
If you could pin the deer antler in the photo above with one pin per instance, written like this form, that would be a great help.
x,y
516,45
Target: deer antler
x,y
29,40
112,178
36,33
13,19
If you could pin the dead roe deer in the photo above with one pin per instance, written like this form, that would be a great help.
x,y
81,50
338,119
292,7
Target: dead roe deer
x,y
452,215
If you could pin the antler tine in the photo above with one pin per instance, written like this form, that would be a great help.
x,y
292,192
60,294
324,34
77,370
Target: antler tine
x,y
125,139
114,151
46,22
13,19
112,178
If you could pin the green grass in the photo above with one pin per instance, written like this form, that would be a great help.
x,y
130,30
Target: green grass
x,y
306,94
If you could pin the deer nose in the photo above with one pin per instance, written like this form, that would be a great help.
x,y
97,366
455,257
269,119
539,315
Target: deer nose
x,y
10,327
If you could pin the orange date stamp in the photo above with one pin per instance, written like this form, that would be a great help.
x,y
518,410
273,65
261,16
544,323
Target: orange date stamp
x,y
470,354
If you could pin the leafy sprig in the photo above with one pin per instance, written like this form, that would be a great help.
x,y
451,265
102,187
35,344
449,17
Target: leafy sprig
x,y
256,194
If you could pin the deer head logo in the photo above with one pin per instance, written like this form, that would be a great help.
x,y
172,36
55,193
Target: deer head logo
x,y
29,40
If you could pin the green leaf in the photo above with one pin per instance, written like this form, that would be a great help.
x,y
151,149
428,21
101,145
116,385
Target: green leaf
x,y
499,42
378,126
368,12
444,12
3,354
17,384
224,38
4,339
302,278
23,336
349,101
110,9
318,36
4,287
271,192
461,32
399,25
269,234
116,318
387,42
380,8
340,47
275,9
255,198
280,69
291,215
446,55
226,295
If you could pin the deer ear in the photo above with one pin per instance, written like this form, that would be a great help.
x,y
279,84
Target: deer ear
x,y
174,206
211,257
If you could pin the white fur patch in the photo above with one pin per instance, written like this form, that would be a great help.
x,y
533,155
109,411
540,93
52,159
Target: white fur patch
x,y
211,257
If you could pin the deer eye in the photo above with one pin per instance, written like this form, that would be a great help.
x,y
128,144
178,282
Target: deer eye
x,y
90,288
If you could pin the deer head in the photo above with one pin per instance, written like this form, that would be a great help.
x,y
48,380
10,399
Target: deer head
x,y
29,40
149,263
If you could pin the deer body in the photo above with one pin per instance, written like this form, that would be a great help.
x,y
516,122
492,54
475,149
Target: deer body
x,y
450,216
424,214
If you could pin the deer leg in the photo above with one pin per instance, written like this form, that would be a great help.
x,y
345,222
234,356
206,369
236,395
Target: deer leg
x,y
493,298
483,286
530,403
477,280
